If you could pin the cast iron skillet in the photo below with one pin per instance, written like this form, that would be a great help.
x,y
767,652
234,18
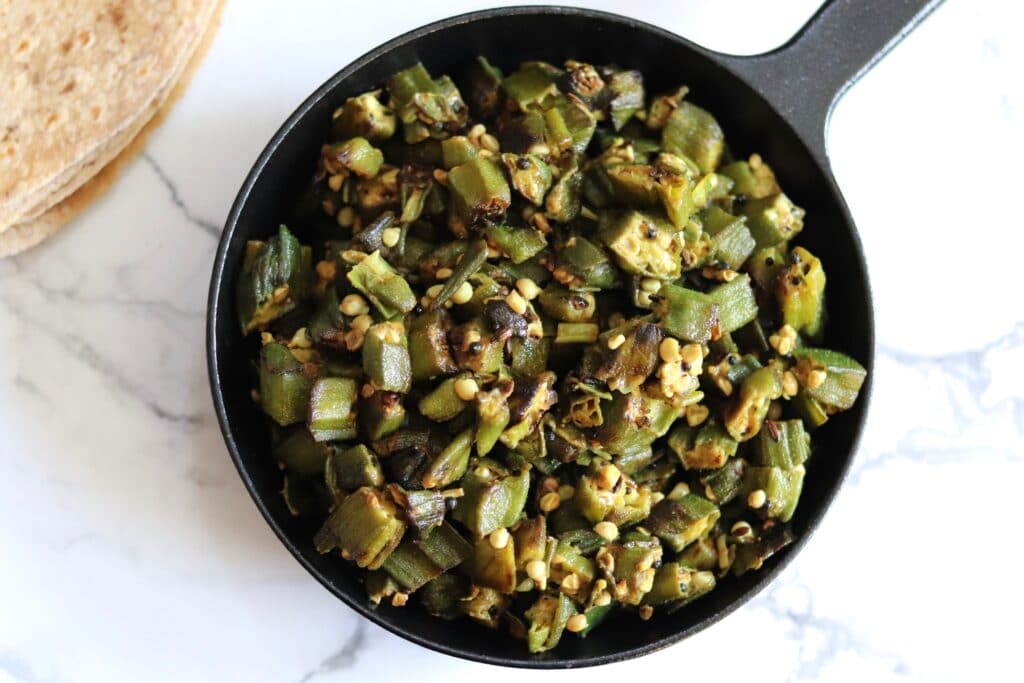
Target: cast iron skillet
x,y
776,104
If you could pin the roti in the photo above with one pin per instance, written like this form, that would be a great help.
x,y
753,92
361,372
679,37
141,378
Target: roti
x,y
82,78
111,161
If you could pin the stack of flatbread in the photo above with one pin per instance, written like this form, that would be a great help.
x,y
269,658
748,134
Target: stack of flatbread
x,y
82,82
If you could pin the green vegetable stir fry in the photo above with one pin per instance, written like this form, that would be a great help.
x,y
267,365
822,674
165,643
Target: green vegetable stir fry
x,y
558,356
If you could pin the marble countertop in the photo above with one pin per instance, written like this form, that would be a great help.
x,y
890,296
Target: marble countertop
x,y
130,551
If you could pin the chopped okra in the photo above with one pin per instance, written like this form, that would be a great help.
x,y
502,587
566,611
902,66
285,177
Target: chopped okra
x,y
559,359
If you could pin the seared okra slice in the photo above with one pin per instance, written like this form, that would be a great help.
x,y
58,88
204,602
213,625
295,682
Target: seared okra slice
x,y
680,522
548,618
675,585
364,116
831,378
629,567
275,279
382,285
386,357
332,409
366,527
800,292
494,497
643,243
480,194
285,384
694,133
352,468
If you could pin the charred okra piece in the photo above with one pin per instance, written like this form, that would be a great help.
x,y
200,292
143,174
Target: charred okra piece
x,y
625,97
531,176
479,191
468,264
676,585
548,618
583,264
332,409
493,416
643,243
381,413
426,107
707,448
520,244
275,279
678,523
429,352
493,564
567,306
386,357
751,556
366,527
451,463
355,155
744,418
364,116
530,399
629,568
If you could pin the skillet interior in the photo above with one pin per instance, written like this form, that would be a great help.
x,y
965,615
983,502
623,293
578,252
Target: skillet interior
x,y
507,37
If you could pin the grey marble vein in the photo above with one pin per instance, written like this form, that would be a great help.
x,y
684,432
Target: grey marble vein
x,y
206,226
344,658
87,354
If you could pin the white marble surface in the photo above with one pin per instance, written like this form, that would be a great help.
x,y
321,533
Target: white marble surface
x,y
129,550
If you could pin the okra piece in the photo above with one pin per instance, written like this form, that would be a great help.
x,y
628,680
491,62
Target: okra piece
x,y
736,303
625,97
678,523
479,191
305,497
529,400
423,510
662,107
382,285
476,350
731,241
782,444
427,108
800,292
380,585
445,546
486,606
643,243
351,469
529,357
625,368
629,567
764,266
332,409
567,306
531,176
577,333
633,421
674,583
364,116
442,404
622,505
751,556
410,567
693,132
706,448
275,279
585,265
701,555
688,314
531,84
520,244
725,483
381,413
493,498
548,617
386,357
773,220
744,417
300,454
457,150
563,201
443,596
355,155
366,527
492,416
285,383
843,378
569,561
782,488
451,463
530,538
752,178
429,352
492,567
809,409
468,263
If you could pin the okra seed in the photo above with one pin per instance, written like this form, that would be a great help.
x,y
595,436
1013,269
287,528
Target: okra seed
x,y
549,502
679,490
606,530
390,236
669,350
650,285
443,273
657,497
537,570
516,302
466,388
616,341
335,181
815,378
362,322
691,353
434,290
346,217
476,131
463,294
757,498
646,612
790,386
353,305
603,599
399,599
576,623
498,538
527,288
740,529
571,583
490,143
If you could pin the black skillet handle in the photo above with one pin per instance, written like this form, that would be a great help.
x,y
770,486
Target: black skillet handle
x,y
804,78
